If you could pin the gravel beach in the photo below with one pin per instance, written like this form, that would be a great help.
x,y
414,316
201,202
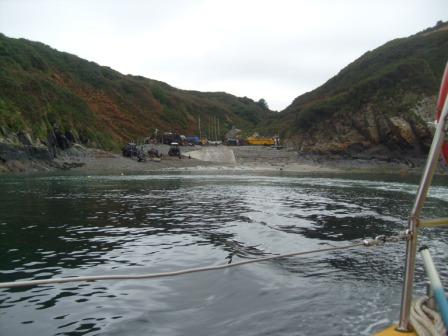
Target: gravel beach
x,y
79,159
245,158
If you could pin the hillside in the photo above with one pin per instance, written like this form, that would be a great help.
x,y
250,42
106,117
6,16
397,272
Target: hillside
x,y
378,105
42,89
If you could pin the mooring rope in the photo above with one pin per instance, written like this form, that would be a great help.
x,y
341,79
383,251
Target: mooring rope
x,y
426,321
379,240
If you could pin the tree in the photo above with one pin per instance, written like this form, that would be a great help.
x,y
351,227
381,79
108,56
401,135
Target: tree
x,y
263,104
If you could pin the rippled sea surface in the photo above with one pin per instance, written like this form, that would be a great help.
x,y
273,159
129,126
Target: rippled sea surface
x,y
59,226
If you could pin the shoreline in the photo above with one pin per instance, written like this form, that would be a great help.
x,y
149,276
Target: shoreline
x,y
256,159
246,159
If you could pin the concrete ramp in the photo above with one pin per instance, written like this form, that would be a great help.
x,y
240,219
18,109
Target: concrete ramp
x,y
214,154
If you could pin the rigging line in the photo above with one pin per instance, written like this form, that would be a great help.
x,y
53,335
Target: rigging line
x,y
28,283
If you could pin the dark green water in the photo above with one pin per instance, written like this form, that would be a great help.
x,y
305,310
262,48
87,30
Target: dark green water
x,y
78,225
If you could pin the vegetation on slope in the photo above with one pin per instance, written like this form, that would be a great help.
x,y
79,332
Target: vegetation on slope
x,y
377,100
41,87
388,82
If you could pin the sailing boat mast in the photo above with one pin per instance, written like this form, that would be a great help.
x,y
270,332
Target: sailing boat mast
x,y
216,131
210,127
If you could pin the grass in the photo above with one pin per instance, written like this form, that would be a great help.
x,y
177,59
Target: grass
x,y
40,87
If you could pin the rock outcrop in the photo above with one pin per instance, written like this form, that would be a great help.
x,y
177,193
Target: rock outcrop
x,y
370,133
20,152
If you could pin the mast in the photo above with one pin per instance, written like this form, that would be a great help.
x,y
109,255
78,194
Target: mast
x,y
216,130
209,127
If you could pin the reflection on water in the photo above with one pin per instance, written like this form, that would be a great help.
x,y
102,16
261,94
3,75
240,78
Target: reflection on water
x,y
79,225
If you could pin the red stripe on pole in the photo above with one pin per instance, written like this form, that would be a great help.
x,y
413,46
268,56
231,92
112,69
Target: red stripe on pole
x,y
440,102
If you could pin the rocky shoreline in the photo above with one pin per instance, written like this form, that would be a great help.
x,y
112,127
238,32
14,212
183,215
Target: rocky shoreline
x,y
25,159
18,154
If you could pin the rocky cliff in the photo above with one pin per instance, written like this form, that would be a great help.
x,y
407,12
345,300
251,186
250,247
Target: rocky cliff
x,y
380,106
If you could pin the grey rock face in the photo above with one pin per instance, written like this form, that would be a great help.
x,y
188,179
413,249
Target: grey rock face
x,y
373,131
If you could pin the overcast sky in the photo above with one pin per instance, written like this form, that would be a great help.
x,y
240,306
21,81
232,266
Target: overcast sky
x,y
274,50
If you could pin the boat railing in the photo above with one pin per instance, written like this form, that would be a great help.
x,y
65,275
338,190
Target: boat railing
x,y
415,222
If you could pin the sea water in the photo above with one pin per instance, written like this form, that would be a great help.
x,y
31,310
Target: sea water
x,y
60,226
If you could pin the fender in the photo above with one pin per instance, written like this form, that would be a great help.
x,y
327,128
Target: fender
x,y
440,102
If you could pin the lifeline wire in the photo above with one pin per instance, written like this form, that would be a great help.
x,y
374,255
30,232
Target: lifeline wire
x,y
27,283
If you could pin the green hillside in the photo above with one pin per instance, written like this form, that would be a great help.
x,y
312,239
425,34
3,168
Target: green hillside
x,y
381,101
41,87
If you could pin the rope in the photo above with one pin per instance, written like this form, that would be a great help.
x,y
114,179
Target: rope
x,y
438,321
425,320
27,283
